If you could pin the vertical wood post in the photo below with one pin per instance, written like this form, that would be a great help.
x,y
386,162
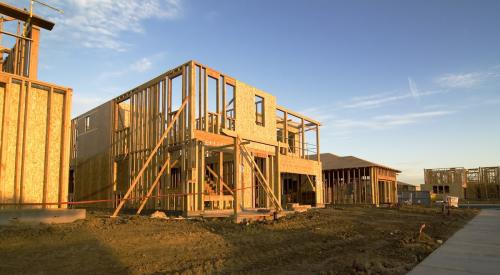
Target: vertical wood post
x,y
317,144
65,150
47,149
19,145
205,98
237,177
220,179
34,46
5,131
277,174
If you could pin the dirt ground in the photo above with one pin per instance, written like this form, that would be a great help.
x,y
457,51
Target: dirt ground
x,y
337,240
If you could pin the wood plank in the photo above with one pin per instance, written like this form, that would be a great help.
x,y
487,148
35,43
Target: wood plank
x,y
5,127
65,149
205,99
24,15
25,138
237,178
19,145
47,148
211,139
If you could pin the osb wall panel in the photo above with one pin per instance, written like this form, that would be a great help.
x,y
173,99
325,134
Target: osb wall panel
x,y
24,158
245,114
122,176
297,165
2,95
97,139
35,145
93,179
10,151
56,124
124,116
246,184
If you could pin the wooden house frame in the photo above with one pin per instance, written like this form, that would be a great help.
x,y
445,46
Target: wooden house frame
x,y
351,180
482,183
194,140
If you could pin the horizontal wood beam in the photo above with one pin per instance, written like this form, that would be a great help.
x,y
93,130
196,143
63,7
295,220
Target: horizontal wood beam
x,y
23,15
283,109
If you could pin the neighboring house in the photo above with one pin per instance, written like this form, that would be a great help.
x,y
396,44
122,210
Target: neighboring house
x,y
353,180
226,144
403,186
481,183
410,194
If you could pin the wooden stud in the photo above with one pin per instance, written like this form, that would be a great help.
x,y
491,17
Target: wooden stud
x,y
25,138
47,148
237,178
144,167
34,46
205,99
19,145
5,128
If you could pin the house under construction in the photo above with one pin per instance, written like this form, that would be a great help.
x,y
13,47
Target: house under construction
x,y
195,141
481,183
34,119
351,180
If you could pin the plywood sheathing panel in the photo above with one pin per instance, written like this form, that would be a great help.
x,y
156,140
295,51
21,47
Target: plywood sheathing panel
x,y
54,155
245,115
35,149
10,142
24,140
93,175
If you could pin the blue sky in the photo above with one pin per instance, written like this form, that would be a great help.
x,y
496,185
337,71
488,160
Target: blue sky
x,y
409,84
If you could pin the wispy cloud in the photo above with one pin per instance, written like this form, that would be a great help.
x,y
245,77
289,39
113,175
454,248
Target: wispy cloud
x,y
318,113
384,121
140,66
467,80
413,88
374,100
409,118
102,23
380,100
83,103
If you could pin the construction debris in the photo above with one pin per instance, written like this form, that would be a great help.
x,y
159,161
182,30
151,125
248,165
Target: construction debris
x,y
159,215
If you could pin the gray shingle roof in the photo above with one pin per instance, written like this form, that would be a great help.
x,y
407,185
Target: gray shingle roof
x,y
331,162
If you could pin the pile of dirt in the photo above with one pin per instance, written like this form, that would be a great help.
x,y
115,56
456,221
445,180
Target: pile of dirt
x,y
339,240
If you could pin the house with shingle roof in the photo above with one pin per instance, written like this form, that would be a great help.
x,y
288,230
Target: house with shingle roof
x,y
352,180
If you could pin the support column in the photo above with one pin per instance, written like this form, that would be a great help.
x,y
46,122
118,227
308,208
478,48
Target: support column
x,y
34,45
201,176
317,144
268,178
277,174
237,178
220,188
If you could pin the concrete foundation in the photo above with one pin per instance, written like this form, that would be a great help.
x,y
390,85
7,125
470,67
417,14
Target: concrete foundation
x,y
36,216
